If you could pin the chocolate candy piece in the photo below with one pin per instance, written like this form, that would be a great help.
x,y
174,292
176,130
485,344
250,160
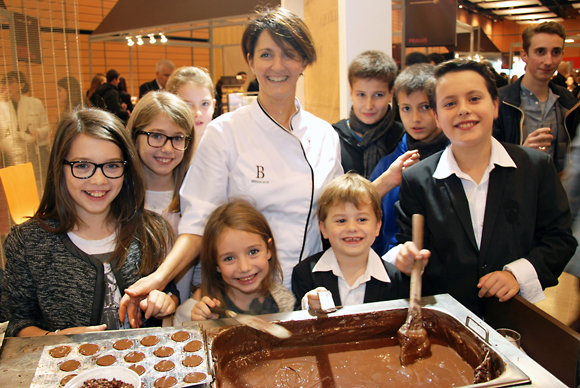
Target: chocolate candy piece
x,y
67,378
192,361
165,382
134,357
69,366
192,346
163,351
106,360
123,344
180,336
150,340
139,369
164,366
194,378
88,349
60,351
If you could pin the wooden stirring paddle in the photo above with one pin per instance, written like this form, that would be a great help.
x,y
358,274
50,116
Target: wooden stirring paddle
x,y
412,335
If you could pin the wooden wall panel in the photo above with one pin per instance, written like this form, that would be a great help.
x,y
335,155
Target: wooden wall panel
x,y
321,80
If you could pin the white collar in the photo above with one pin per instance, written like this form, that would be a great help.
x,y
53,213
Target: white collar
x,y
447,165
375,266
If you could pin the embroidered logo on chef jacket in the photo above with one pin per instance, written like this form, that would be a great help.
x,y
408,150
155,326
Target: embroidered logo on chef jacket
x,y
260,175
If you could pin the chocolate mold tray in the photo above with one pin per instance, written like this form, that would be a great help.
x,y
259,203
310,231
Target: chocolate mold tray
x,y
147,351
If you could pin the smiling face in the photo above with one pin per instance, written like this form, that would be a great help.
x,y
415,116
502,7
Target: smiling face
x,y
465,109
92,196
159,163
202,104
351,230
243,261
277,70
370,99
417,116
543,57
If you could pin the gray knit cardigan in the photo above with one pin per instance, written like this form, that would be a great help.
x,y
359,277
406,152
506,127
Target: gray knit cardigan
x,y
49,283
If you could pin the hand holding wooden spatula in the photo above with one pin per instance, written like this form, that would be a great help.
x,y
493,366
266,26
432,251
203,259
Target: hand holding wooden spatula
x,y
412,335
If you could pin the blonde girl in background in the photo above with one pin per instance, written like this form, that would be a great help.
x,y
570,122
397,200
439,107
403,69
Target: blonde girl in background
x,y
194,86
240,267
161,127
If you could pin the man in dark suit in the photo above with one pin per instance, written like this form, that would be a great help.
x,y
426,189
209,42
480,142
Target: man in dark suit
x,y
163,71
497,220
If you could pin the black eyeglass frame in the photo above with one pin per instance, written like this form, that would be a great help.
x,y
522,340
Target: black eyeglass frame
x,y
95,167
187,138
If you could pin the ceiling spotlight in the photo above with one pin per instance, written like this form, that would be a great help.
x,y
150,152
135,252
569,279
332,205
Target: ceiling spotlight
x,y
163,38
569,41
151,38
129,41
139,40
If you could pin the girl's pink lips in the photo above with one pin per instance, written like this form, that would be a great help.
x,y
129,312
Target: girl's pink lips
x,y
96,195
163,160
247,279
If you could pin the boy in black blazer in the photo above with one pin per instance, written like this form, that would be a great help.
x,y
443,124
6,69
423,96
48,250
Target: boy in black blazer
x,y
497,220
349,213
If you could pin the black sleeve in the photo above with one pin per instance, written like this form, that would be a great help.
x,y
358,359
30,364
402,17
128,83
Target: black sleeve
x,y
302,282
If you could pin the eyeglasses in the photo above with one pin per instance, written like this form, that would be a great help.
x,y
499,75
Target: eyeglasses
x,y
84,170
158,140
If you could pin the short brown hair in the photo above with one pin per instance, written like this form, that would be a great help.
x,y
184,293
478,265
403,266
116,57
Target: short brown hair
x,y
542,28
373,64
238,214
285,28
349,188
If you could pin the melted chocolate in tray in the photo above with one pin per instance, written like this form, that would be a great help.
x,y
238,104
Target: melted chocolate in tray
x,y
66,379
150,340
139,369
194,378
192,361
180,336
134,357
192,346
346,351
106,360
88,349
164,366
163,351
165,382
123,344
69,366
60,351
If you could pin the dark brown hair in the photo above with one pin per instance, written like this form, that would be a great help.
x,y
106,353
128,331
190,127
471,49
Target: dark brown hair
x,y
286,29
238,214
456,65
176,110
127,211
542,28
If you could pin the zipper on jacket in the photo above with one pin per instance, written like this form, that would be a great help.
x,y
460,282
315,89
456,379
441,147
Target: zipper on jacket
x,y
311,175
521,121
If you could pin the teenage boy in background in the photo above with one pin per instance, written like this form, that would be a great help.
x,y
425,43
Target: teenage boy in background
x,y
497,220
371,132
423,135
533,111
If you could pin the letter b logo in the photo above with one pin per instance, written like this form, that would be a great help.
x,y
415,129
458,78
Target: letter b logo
x,y
259,172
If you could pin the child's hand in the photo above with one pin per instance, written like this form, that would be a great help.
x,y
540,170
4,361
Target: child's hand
x,y
201,311
392,177
313,299
82,329
130,307
158,304
407,256
501,284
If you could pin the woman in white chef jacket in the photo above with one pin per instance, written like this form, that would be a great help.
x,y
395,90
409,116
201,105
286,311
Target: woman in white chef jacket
x,y
24,126
271,152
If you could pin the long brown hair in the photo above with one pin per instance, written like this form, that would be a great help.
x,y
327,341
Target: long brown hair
x,y
238,214
176,110
127,210
98,80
